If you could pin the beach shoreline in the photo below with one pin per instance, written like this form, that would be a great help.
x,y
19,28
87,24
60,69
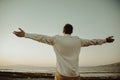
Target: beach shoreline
x,y
42,76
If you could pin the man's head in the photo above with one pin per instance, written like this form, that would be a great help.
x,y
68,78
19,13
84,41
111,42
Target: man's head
x,y
68,29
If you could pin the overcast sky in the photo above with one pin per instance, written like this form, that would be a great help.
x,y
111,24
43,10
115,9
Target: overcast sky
x,y
92,19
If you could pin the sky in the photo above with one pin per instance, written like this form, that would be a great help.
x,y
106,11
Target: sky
x,y
91,19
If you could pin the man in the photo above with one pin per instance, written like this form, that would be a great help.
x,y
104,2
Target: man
x,y
67,49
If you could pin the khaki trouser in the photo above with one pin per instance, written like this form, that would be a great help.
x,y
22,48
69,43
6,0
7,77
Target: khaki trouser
x,y
58,76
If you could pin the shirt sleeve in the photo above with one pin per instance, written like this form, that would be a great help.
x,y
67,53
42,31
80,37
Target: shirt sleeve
x,y
86,42
40,38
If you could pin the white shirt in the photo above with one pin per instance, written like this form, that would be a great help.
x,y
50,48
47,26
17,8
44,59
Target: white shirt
x,y
67,49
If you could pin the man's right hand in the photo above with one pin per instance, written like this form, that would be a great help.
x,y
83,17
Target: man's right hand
x,y
20,33
110,39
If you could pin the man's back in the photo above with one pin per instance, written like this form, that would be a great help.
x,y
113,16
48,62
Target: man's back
x,y
67,49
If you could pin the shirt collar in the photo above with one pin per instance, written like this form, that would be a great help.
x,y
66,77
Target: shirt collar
x,y
67,35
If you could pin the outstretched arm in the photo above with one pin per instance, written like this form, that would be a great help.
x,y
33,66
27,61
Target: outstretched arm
x,y
41,38
86,42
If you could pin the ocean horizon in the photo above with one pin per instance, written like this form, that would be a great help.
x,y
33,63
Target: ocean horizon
x,y
95,71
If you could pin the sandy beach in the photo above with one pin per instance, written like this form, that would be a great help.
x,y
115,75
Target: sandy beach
x,y
43,76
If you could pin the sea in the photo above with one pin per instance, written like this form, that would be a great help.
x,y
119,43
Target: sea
x,y
99,71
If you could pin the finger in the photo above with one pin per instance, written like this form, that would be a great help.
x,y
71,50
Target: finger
x,y
20,29
14,32
111,36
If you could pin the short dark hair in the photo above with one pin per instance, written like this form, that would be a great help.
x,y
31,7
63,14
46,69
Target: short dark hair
x,y
68,29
